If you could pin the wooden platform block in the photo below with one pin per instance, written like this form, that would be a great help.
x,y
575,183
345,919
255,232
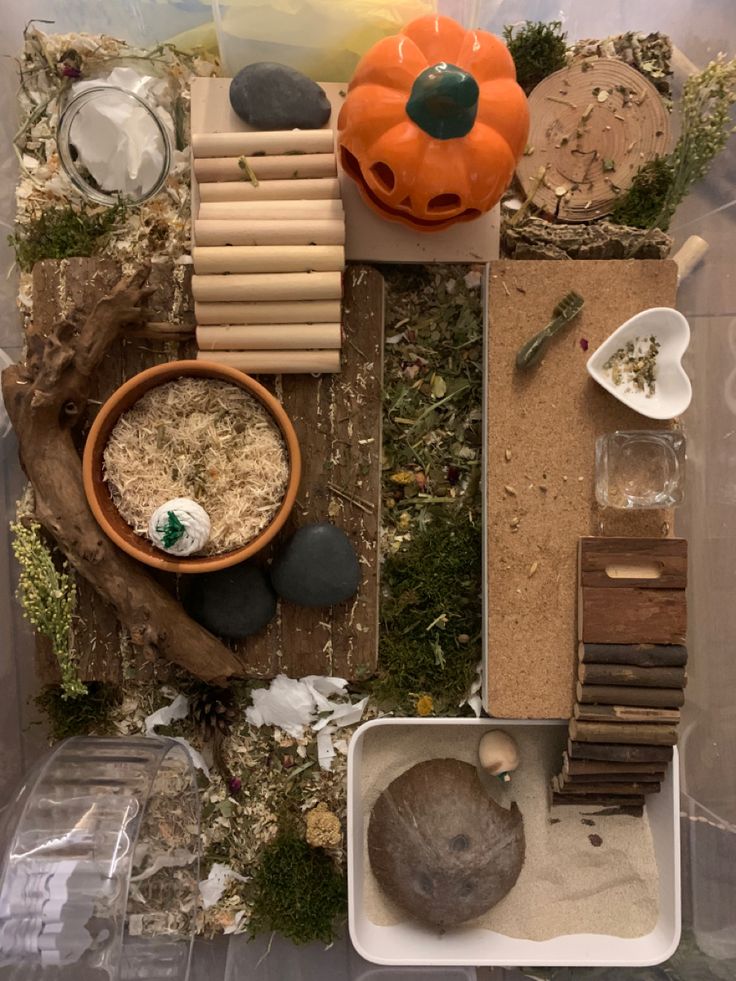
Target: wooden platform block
x,y
642,562
633,615
542,426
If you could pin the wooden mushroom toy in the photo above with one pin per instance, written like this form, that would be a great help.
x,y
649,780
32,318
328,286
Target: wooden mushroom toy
x,y
498,754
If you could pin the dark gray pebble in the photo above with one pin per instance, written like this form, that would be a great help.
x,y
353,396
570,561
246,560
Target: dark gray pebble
x,y
317,567
271,96
232,603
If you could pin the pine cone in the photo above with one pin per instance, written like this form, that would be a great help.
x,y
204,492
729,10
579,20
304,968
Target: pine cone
x,y
213,710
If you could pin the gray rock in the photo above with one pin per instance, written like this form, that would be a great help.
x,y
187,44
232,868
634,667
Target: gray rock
x,y
317,567
231,603
271,96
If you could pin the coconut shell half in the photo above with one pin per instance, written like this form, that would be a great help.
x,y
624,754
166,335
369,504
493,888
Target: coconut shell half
x,y
440,847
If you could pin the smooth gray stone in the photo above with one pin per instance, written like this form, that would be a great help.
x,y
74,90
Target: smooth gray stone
x,y
317,567
271,96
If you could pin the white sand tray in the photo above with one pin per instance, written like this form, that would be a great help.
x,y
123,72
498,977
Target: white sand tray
x,y
594,890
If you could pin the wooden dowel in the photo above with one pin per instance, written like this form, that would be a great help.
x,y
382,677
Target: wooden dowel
x,y
632,733
625,713
619,753
277,362
642,655
254,143
629,695
322,231
609,789
586,768
276,190
269,337
625,674
608,777
690,254
281,211
267,258
310,312
602,800
267,286
309,165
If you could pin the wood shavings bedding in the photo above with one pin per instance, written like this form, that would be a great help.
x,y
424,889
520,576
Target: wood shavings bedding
x,y
207,440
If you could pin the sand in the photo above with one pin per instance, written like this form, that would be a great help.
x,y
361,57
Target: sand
x,y
568,884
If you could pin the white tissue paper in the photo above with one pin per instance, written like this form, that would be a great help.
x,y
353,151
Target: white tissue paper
x,y
116,139
212,888
178,709
294,706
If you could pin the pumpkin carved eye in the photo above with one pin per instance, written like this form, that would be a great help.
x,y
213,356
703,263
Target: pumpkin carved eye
x,y
444,202
384,175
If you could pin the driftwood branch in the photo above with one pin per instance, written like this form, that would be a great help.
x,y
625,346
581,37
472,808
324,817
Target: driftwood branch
x,y
45,397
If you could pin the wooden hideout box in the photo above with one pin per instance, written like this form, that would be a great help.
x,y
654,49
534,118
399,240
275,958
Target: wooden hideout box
x,y
541,426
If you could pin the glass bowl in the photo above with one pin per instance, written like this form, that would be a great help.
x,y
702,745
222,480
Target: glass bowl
x,y
99,870
93,106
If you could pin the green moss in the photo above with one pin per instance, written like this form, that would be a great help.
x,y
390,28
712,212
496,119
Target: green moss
x,y
643,202
431,616
60,233
538,50
298,892
80,715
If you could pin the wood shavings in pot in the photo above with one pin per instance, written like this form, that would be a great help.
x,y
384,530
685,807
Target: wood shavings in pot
x,y
204,439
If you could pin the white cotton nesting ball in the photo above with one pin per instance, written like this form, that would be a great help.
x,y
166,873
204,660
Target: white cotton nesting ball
x,y
180,527
498,753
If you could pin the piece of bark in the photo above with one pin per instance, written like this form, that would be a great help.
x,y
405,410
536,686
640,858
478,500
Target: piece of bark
x,y
619,752
644,655
625,713
631,789
581,768
606,777
602,800
536,238
631,733
628,674
630,695
649,563
46,397
633,615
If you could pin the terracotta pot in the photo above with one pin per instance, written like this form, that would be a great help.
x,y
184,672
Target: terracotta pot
x,y
98,495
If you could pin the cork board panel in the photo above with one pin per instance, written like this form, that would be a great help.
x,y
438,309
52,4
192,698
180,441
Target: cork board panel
x,y
547,421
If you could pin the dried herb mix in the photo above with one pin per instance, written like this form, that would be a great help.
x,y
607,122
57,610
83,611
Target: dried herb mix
x,y
635,365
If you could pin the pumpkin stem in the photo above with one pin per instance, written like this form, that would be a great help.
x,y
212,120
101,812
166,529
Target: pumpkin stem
x,y
444,101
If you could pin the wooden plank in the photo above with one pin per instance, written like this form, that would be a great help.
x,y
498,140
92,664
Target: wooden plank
x,y
645,655
627,674
603,800
632,615
607,777
621,753
625,713
548,420
645,562
609,789
338,421
587,768
630,733
629,695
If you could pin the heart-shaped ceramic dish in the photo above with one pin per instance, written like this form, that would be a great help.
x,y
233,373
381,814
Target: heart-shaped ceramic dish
x,y
672,390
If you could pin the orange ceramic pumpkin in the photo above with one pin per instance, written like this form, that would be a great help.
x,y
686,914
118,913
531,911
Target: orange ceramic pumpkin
x,y
433,124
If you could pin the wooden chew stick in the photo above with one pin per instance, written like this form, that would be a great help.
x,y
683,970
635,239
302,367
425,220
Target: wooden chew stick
x,y
619,753
625,713
267,258
614,789
254,143
321,231
276,190
608,777
277,362
629,695
271,210
583,768
625,674
289,312
632,733
602,800
269,337
267,286
309,165
643,655
690,254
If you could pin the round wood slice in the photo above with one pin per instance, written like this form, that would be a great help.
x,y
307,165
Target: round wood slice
x,y
591,129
